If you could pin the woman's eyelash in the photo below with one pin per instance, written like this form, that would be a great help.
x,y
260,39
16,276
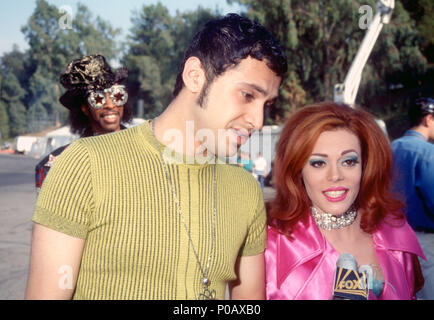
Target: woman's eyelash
x,y
351,161
317,163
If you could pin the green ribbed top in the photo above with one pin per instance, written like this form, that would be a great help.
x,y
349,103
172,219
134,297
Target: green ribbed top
x,y
112,191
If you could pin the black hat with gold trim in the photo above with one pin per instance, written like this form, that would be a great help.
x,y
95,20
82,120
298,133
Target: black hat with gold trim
x,y
89,73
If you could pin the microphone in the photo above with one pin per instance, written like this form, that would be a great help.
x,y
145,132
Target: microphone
x,y
349,284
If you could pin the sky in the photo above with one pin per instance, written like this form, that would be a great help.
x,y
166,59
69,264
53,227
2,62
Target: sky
x,y
15,14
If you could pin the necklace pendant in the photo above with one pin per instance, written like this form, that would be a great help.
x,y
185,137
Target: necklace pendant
x,y
207,294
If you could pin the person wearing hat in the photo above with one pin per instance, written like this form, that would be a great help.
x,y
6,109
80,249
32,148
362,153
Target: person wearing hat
x,y
96,101
155,211
414,177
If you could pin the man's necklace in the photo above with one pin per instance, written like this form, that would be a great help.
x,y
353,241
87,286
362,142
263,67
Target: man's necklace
x,y
207,293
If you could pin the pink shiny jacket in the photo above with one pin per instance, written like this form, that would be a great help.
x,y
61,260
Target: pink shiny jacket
x,y
302,268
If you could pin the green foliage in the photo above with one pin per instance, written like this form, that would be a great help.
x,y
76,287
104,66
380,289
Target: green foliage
x,y
156,44
12,95
17,118
422,13
4,122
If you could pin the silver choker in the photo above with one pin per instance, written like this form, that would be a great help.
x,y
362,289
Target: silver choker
x,y
327,221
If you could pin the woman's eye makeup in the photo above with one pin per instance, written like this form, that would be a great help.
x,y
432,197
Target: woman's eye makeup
x,y
317,162
350,161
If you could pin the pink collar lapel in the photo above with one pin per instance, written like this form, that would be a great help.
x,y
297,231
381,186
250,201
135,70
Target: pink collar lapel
x,y
306,243
400,237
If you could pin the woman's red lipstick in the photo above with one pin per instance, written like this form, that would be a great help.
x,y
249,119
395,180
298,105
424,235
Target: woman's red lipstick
x,y
335,194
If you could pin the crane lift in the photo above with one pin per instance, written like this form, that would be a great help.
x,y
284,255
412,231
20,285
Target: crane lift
x,y
346,92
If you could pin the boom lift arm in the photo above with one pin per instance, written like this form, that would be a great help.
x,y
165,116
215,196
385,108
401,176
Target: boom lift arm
x,y
346,92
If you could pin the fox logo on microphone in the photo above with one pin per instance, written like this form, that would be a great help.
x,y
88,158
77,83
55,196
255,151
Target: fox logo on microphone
x,y
350,285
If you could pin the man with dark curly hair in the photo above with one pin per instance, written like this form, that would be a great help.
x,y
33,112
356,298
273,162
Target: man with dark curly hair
x,y
97,103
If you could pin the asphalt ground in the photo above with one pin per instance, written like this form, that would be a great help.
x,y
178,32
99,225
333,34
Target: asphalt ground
x,y
17,200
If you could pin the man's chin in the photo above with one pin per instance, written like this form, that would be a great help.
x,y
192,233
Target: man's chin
x,y
111,128
227,152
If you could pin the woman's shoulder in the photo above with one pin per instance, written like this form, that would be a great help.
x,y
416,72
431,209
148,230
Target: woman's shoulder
x,y
397,236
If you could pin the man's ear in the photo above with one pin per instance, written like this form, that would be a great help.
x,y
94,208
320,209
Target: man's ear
x,y
193,75
425,120
84,109
429,118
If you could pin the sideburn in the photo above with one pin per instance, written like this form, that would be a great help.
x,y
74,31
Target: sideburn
x,y
201,101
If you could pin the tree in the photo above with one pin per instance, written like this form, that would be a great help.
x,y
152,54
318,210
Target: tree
x,y
150,52
12,95
157,42
44,110
13,75
422,13
4,122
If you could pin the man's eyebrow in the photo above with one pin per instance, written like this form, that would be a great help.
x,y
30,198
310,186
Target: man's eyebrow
x,y
255,87
261,90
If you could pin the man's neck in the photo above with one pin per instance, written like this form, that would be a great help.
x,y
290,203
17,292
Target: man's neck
x,y
175,128
422,130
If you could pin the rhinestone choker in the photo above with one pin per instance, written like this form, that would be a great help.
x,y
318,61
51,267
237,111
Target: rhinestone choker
x,y
327,221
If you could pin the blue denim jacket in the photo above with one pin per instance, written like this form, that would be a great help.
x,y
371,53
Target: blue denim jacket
x,y
414,178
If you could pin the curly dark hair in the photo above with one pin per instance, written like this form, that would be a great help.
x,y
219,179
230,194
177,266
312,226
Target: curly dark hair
x,y
223,43
80,124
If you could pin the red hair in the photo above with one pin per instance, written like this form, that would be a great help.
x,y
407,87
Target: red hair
x,y
296,143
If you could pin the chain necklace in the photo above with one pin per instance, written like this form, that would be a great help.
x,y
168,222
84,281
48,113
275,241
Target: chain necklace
x,y
328,221
207,293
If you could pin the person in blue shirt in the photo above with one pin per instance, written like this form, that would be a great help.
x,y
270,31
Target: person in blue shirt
x,y
414,180
246,162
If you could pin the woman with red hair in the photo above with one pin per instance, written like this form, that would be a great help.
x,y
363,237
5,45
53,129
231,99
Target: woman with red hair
x,y
332,177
